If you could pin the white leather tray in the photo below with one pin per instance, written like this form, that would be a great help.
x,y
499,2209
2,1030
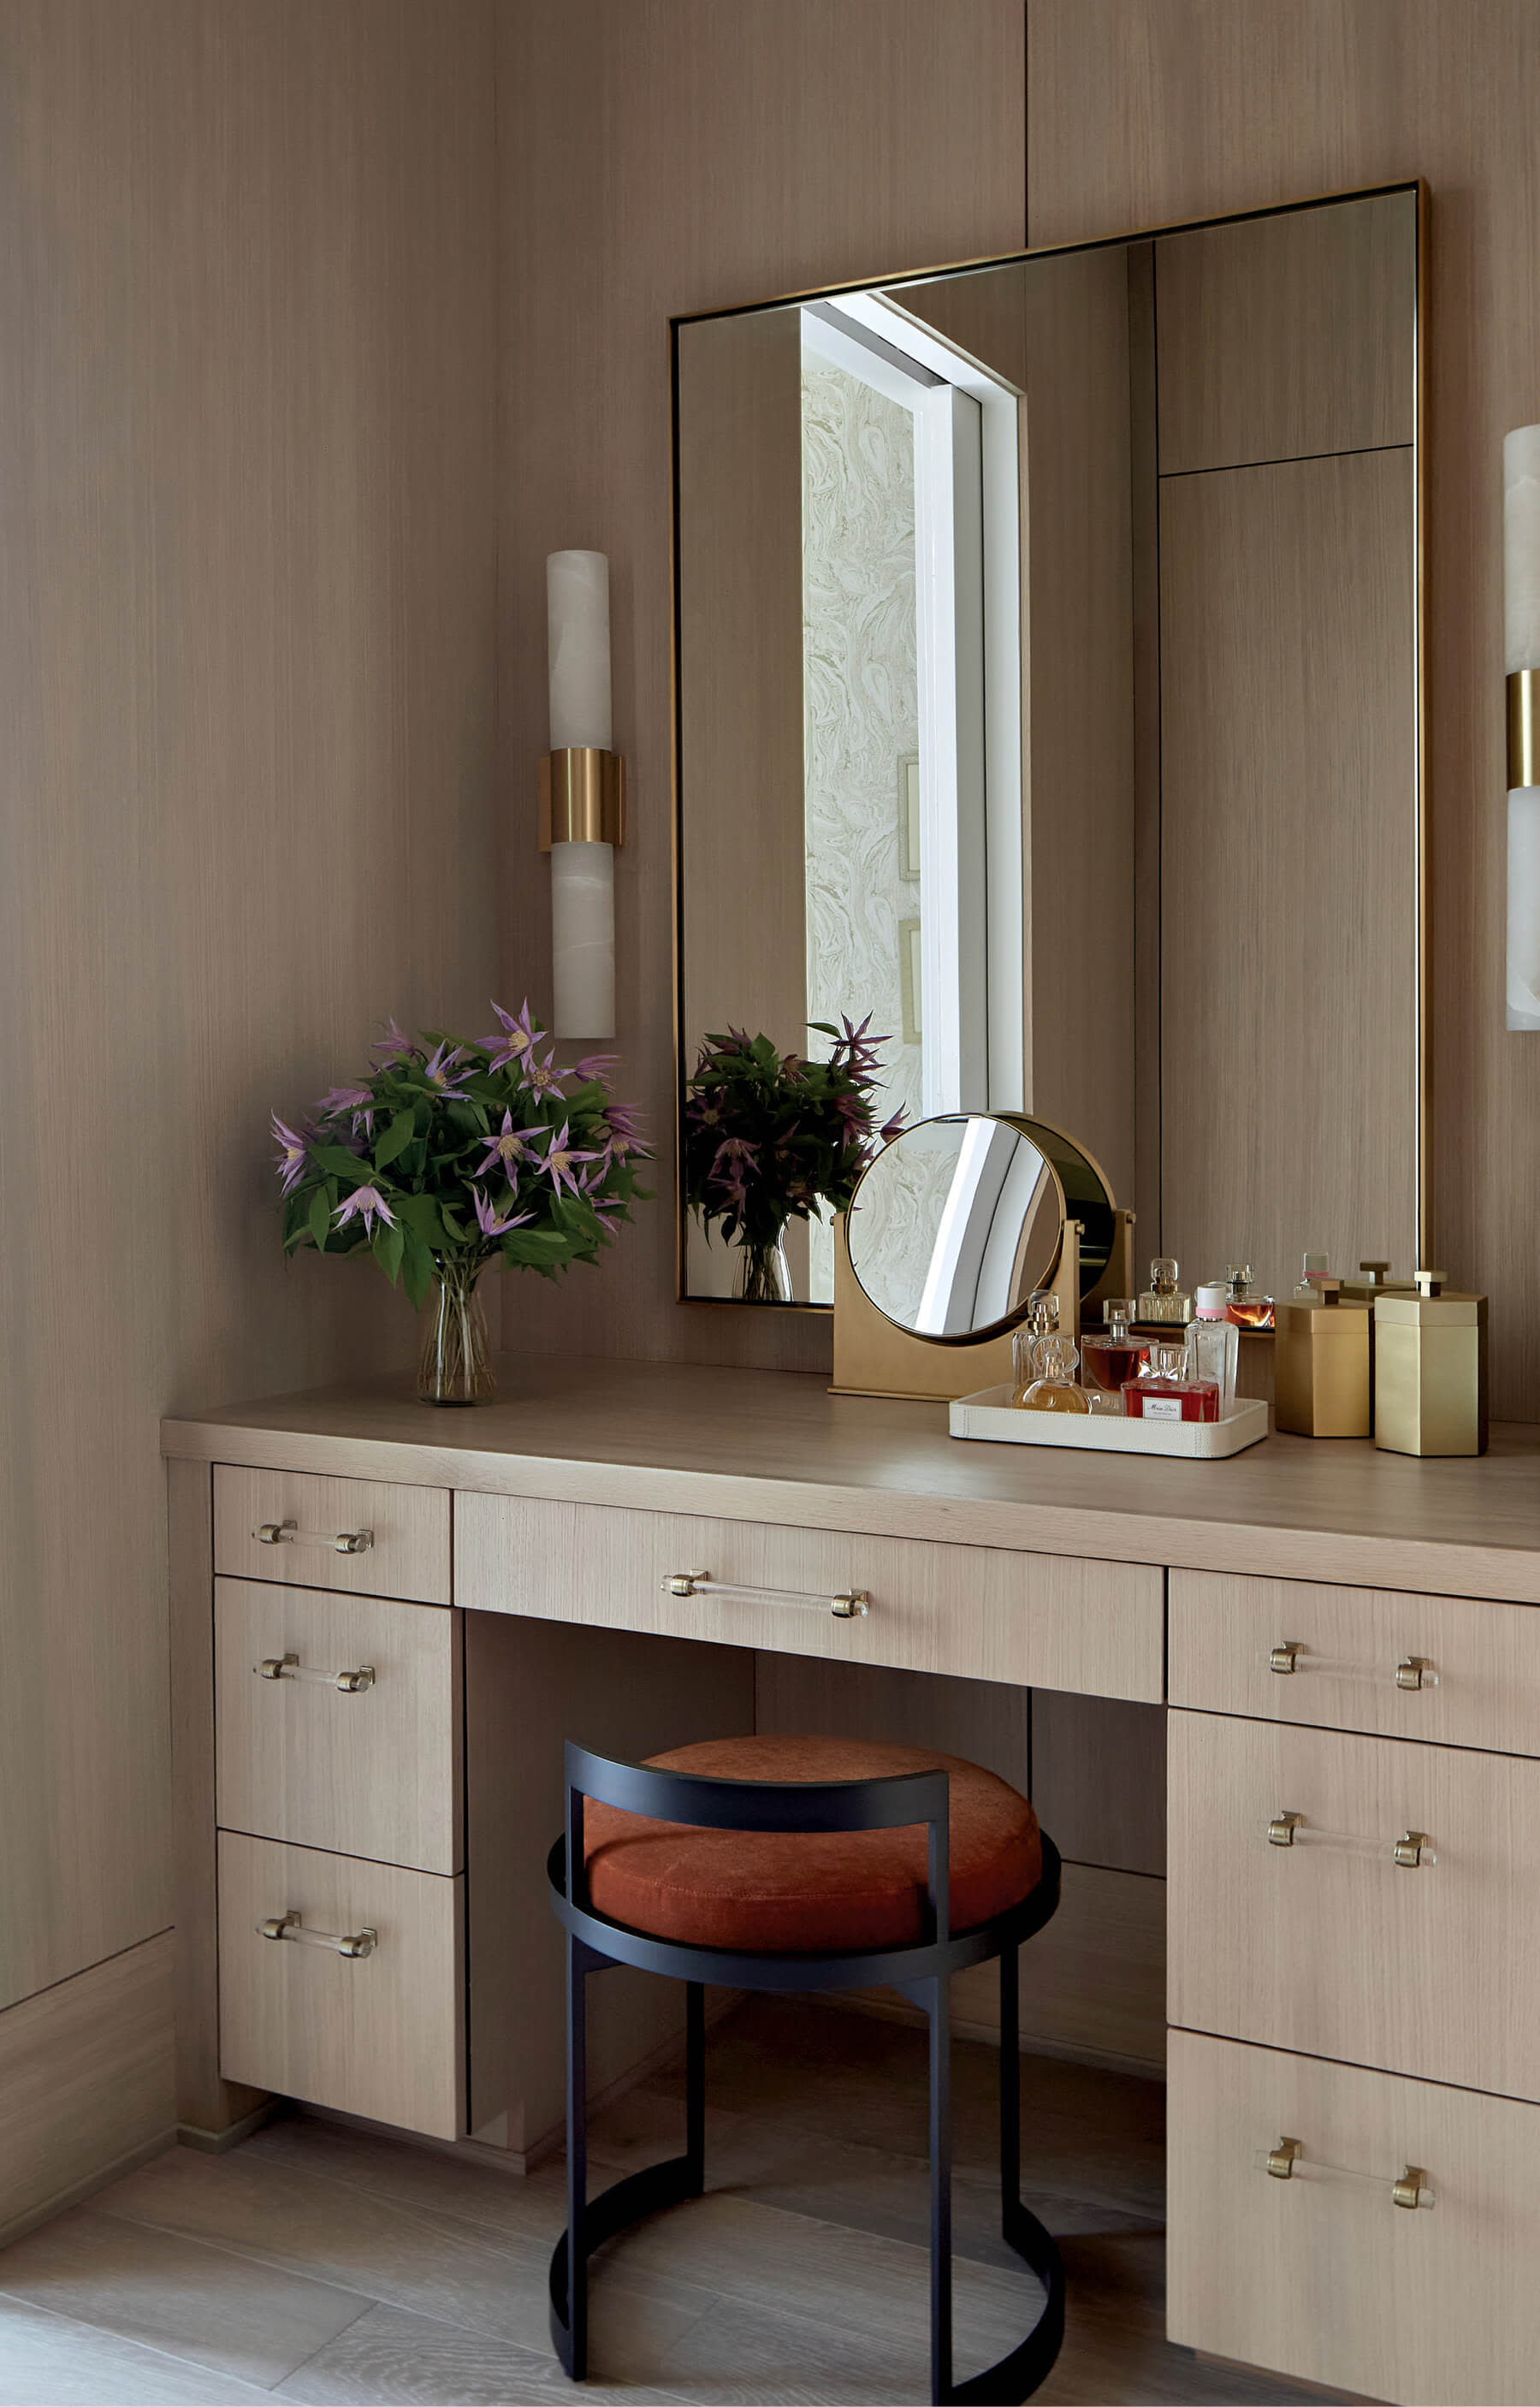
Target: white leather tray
x,y
990,1414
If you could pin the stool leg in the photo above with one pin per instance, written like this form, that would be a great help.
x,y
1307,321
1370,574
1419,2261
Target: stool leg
x,y
694,2084
577,1961
938,2009
1010,2083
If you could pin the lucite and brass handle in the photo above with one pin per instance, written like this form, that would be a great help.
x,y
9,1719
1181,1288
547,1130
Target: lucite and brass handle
x,y
341,1942
1411,1851
1288,2160
289,1667
849,1604
1411,1671
336,1542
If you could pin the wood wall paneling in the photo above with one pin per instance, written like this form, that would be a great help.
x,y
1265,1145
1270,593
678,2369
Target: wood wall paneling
x,y
1288,865
745,152
1144,113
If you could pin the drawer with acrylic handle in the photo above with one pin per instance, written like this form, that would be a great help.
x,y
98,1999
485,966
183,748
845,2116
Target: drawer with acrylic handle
x,y
342,1982
361,1536
1374,2234
1452,1669
1379,1901
338,1722
1045,1620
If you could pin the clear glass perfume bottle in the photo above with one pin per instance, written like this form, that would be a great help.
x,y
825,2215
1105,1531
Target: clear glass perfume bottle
x,y
1213,1340
1167,1393
1309,1287
1164,1305
1108,1362
1042,1321
1244,1306
1057,1390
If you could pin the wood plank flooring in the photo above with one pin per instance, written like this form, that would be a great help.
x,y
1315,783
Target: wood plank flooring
x,y
319,2263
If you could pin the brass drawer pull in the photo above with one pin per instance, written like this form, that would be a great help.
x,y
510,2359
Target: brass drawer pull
x,y
288,1666
351,1943
1292,1655
336,1542
849,1604
1287,2160
1412,1851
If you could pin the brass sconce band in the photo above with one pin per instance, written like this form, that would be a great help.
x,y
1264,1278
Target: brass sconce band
x,y
1524,728
583,796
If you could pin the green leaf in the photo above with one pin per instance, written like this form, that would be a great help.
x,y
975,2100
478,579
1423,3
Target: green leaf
x,y
320,1221
386,1244
417,1270
395,1140
343,1164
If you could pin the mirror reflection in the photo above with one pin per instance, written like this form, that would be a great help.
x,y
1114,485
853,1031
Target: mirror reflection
x,y
955,1225
1046,692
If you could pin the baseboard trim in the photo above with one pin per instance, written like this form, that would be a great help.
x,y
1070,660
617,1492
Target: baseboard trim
x,y
215,2144
61,2202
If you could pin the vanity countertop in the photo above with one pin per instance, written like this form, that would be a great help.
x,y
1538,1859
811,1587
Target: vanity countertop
x,y
776,1445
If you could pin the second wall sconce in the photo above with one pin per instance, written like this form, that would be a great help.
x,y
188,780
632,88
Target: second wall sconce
x,y
1521,628
583,796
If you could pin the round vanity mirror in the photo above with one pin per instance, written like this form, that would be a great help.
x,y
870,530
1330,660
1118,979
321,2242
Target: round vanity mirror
x,y
954,1225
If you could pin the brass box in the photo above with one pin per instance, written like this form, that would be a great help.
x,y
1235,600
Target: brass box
x,y
1430,1373
1320,1370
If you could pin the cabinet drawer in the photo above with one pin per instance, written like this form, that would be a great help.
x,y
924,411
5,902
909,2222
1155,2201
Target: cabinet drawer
x,y
405,1532
380,2034
1322,2276
1352,1642
1330,1946
370,1772
1042,1621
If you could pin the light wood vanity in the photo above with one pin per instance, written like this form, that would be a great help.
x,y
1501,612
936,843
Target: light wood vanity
x,y
1338,1636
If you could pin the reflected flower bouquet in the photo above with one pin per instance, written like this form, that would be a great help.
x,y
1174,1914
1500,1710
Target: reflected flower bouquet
x,y
448,1155
769,1137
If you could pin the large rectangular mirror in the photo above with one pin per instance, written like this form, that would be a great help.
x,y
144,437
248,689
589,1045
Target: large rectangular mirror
x,y
1047,690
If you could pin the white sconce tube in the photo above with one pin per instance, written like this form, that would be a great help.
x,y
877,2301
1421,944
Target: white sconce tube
x,y
582,801
1522,631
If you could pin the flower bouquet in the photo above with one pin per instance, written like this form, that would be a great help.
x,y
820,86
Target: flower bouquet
x,y
448,1157
769,1137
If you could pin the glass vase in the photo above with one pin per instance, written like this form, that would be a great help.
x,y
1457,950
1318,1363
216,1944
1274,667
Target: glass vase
x,y
455,1367
763,1274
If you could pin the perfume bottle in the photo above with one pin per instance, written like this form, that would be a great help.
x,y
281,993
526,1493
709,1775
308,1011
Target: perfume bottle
x,y
1162,1306
1056,1390
1108,1362
1243,1304
1311,1280
1214,1339
1167,1393
1042,1321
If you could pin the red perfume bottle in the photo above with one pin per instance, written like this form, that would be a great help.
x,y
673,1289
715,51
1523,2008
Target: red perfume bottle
x,y
1167,1394
1110,1362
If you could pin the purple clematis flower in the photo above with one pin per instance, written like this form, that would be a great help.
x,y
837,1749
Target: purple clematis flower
x,y
518,1036
356,1099
369,1202
540,1077
395,1043
563,1160
487,1220
291,1153
512,1148
592,1066
440,1072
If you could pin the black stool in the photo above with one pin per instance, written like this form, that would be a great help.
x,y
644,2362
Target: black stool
x,y
921,1972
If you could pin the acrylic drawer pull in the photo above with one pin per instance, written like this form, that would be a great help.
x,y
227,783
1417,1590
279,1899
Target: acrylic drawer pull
x,y
288,1666
351,1942
1288,2161
1412,1672
849,1604
336,1542
1411,1851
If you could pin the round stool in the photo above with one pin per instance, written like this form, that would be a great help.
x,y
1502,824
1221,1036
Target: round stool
x,y
783,1863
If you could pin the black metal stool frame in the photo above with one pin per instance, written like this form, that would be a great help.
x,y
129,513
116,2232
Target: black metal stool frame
x,y
922,1973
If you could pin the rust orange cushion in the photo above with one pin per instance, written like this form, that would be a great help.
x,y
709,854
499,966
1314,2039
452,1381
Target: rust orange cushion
x,y
782,1893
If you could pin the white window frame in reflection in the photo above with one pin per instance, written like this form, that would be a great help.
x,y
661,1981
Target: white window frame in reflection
x,y
992,1199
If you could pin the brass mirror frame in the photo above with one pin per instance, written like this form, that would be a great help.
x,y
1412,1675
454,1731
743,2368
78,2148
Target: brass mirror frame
x,y
1414,186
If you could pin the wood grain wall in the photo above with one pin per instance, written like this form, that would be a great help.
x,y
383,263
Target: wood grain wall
x,y
248,419
661,156
1146,111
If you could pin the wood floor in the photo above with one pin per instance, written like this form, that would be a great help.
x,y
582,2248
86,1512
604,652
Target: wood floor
x,y
319,2263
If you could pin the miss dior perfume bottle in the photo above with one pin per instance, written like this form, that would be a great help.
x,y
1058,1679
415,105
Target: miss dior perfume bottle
x,y
1214,1341
1167,1393
1108,1362
1056,1390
